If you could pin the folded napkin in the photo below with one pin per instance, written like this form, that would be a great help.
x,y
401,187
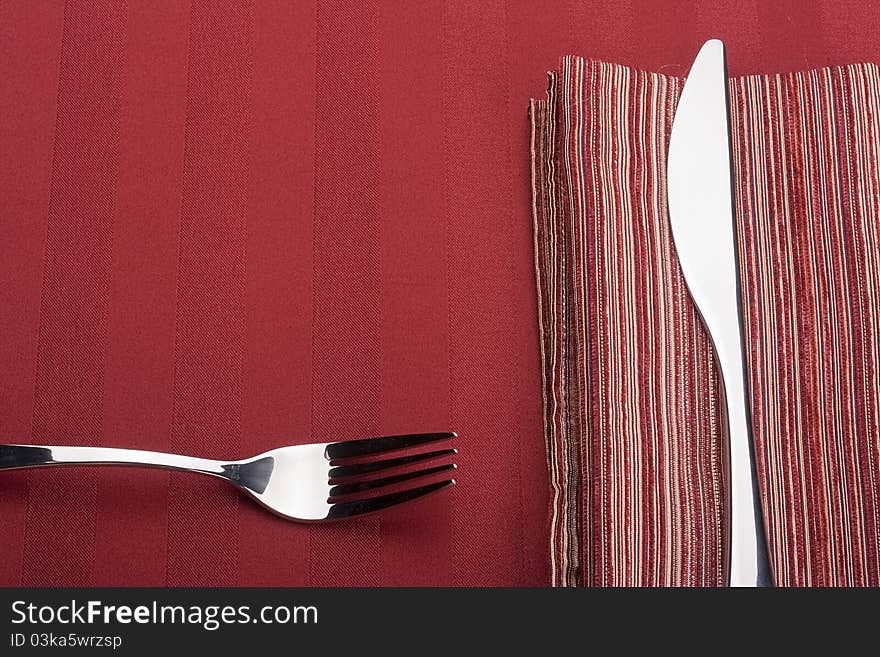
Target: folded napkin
x,y
631,397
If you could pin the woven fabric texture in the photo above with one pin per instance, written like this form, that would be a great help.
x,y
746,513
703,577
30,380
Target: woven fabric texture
x,y
229,226
632,400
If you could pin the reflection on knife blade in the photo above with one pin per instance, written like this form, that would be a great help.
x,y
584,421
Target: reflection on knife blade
x,y
701,212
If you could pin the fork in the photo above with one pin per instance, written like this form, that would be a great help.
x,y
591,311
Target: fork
x,y
304,483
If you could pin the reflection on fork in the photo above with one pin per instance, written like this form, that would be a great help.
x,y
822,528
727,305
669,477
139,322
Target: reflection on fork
x,y
305,483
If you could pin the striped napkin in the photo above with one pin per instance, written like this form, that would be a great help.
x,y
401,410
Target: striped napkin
x,y
632,402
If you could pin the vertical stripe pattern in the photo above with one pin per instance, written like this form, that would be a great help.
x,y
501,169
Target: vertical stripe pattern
x,y
632,412
203,529
75,297
806,160
346,267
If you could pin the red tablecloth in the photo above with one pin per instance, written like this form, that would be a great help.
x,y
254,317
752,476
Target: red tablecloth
x,y
228,227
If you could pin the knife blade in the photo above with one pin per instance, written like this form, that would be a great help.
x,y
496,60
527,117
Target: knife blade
x,y
701,213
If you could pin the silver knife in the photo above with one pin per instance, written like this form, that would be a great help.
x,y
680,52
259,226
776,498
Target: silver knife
x,y
701,211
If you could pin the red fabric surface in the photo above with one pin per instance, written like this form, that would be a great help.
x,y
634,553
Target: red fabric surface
x,y
231,226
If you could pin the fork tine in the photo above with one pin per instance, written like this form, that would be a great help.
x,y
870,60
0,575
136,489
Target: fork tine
x,y
358,469
363,486
357,448
360,507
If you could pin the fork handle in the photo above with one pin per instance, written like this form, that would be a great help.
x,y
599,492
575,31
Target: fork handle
x,y
14,457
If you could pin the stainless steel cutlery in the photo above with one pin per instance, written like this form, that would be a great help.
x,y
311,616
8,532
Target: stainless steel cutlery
x,y
701,211
306,483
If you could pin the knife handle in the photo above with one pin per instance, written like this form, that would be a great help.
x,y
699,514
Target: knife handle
x,y
748,555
